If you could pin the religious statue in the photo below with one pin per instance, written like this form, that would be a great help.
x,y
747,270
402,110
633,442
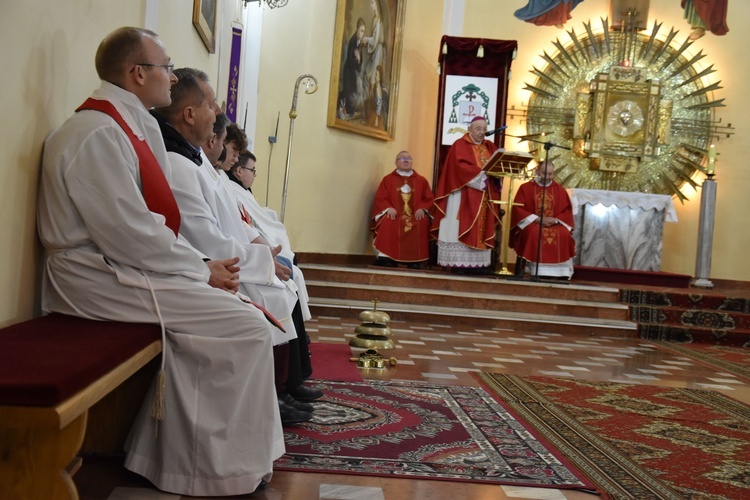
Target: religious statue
x,y
547,12
705,15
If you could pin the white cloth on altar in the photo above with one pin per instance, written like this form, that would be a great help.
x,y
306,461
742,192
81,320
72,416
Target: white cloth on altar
x,y
622,199
110,258
211,222
272,229
451,252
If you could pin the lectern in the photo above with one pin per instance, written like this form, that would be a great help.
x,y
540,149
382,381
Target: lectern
x,y
510,165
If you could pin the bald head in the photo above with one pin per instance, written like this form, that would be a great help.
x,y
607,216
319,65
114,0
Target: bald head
x,y
545,172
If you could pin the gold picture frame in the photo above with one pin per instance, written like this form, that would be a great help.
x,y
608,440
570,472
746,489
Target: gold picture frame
x,y
366,65
204,20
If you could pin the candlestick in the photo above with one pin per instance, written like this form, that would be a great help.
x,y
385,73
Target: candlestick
x,y
542,150
711,169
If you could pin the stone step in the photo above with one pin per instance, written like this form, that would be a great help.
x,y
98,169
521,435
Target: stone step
x,y
468,301
458,283
489,319
476,301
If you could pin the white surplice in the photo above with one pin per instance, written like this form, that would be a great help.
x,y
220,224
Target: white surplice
x,y
211,222
451,252
110,258
268,224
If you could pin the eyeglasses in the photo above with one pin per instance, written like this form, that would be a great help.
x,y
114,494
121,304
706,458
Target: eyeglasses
x,y
404,158
169,67
250,169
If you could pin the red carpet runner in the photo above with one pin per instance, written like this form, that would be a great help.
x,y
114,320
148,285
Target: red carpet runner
x,y
639,441
331,362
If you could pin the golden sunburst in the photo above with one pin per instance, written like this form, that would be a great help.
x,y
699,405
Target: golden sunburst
x,y
681,113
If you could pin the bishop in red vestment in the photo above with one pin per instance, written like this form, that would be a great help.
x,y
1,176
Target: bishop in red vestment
x,y
401,216
465,219
558,247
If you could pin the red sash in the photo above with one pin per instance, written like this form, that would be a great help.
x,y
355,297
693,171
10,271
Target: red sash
x,y
156,191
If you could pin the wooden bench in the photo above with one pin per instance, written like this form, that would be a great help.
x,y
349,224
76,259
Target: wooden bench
x,y
52,371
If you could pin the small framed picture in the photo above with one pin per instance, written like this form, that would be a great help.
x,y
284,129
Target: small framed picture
x,y
204,20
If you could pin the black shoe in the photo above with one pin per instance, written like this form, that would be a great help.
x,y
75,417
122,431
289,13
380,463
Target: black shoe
x,y
302,393
291,415
385,262
414,265
299,405
261,487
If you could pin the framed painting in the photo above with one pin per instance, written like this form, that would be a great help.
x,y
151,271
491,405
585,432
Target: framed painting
x,y
204,20
366,64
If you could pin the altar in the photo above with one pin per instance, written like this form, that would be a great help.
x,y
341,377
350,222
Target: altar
x,y
620,230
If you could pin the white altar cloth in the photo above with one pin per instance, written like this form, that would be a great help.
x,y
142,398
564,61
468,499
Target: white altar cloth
x,y
622,199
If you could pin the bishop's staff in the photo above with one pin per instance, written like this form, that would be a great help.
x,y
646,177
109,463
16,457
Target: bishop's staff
x,y
311,85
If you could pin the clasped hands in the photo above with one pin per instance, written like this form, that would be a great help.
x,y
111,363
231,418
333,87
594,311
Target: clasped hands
x,y
550,221
225,274
419,214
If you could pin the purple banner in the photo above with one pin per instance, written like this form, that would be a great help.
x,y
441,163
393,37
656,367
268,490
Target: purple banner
x,y
234,73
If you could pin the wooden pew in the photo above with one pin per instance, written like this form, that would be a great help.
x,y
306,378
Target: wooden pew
x,y
52,371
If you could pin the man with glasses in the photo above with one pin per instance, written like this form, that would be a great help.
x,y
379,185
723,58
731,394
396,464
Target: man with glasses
x,y
293,393
465,217
111,228
401,216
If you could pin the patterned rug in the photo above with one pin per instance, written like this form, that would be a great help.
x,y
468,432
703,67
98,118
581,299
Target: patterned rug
x,y
638,441
690,317
422,431
735,360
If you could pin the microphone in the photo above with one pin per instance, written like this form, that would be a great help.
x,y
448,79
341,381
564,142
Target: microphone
x,y
489,133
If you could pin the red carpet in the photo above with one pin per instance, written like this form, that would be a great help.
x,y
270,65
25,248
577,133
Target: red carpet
x,y
638,441
421,431
331,362
689,317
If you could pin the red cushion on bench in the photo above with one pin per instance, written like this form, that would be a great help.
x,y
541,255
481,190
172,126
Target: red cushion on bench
x,y
46,360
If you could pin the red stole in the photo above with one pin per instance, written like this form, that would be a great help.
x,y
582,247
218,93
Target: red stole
x,y
156,191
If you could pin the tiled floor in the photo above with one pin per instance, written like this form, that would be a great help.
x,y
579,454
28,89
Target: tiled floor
x,y
440,354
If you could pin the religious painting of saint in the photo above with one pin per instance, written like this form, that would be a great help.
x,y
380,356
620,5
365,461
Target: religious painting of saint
x,y
365,68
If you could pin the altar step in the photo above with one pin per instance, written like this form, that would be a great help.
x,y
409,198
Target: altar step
x,y
479,302
694,316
